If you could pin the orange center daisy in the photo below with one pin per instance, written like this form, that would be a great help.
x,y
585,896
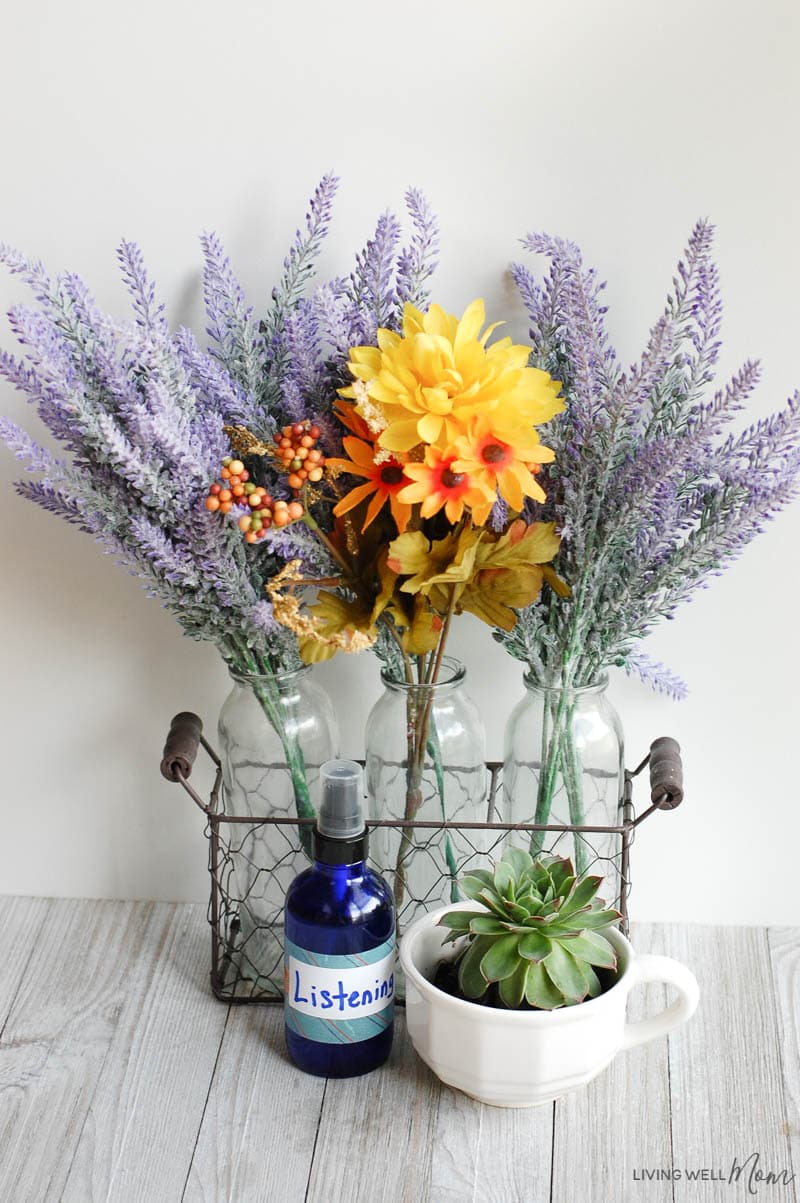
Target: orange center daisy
x,y
383,481
437,485
496,455
501,466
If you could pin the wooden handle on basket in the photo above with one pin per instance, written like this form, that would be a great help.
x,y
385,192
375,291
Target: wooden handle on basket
x,y
180,750
666,773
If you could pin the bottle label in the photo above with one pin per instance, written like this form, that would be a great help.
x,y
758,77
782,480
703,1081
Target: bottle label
x,y
339,999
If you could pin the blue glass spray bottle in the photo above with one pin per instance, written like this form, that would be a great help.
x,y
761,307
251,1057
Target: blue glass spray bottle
x,y
340,942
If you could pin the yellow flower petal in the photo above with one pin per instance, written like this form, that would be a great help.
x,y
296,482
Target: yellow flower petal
x,y
400,436
472,319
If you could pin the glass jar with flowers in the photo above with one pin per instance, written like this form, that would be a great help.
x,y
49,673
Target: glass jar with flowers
x,y
652,496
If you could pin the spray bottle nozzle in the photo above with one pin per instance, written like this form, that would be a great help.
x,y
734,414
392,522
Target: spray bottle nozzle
x,y
341,812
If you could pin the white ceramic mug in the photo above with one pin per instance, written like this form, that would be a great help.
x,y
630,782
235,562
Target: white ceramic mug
x,y
523,1058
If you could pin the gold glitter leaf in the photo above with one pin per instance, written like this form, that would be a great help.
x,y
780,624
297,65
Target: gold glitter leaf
x,y
244,442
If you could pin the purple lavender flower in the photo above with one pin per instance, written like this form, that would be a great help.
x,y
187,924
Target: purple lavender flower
x,y
141,413
651,498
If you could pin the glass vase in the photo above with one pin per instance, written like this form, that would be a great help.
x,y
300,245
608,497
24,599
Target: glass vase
x,y
275,731
564,764
425,760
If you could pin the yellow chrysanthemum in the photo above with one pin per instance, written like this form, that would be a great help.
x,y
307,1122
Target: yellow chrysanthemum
x,y
428,382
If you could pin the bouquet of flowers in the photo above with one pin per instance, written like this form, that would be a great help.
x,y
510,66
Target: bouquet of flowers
x,y
443,446
649,491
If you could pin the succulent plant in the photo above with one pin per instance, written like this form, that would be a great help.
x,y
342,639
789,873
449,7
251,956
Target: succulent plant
x,y
539,936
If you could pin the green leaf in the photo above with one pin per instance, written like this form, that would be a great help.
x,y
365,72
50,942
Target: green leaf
x,y
470,979
582,895
539,989
594,920
518,860
512,989
569,976
459,920
493,902
475,881
503,880
592,948
487,925
594,984
562,875
501,960
534,946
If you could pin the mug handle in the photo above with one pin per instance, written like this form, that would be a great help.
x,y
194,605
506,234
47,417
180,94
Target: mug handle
x,y
652,968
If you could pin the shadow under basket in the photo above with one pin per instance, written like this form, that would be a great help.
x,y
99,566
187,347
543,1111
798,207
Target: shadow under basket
x,y
247,947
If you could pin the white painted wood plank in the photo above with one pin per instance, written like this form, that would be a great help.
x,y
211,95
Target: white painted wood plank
x,y
784,944
141,1129
725,1068
376,1134
621,1121
490,1153
92,962
257,1138
20,922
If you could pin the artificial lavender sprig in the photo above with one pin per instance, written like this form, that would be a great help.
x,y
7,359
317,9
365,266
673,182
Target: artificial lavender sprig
x,y
141,444
652,499
142,413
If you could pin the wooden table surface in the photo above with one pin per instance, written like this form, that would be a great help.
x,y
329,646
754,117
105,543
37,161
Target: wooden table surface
x,y
122,1078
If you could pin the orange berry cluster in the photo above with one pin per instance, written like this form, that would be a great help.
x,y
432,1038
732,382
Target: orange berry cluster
x,y
298,455
237,489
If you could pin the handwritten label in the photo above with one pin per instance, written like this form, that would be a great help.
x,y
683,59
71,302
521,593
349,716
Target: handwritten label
x,y
340,998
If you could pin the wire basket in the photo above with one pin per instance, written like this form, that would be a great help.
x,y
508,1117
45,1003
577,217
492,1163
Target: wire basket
x,y
234,844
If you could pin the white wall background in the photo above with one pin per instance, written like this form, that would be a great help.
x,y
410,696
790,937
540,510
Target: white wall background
x,y
616,124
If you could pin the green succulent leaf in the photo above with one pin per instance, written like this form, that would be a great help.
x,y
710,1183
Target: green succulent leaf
x,y
475,881
501,960
518,860
539,989
487,925
590,947
492,901
512,988
504,880
568,974
534,946
459,920
582,895
472,982
561,871
594,983
595,920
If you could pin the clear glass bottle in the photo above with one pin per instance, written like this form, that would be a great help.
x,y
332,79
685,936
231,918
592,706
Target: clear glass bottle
x,y
275,732
564,764
425,760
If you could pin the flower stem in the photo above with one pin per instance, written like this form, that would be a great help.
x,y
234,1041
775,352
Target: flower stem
x,y
418,722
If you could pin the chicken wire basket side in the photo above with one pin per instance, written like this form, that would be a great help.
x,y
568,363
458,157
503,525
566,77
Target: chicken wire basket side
x,y
247,957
